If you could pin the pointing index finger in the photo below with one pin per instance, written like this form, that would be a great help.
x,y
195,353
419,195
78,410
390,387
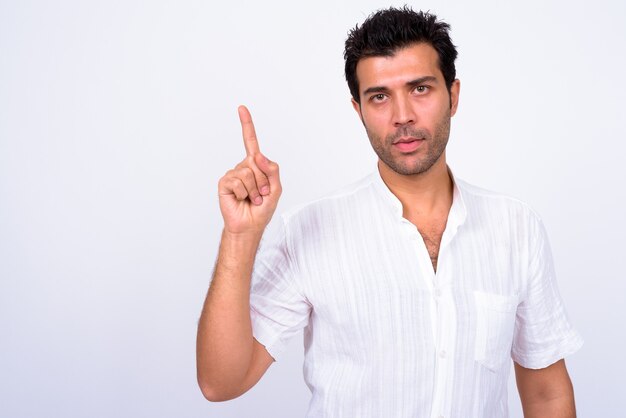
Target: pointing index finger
x,y
247,129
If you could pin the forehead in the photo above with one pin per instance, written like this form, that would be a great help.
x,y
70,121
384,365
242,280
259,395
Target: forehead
x,y
409,63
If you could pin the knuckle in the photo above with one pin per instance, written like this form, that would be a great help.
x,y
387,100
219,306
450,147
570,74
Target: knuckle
x,y
225,181
235,171
240,190
248,174
241,172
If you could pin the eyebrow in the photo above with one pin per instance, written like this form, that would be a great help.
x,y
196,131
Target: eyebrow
x,y
412,83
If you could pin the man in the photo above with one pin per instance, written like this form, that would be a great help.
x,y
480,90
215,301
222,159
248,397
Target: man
x,y
414,288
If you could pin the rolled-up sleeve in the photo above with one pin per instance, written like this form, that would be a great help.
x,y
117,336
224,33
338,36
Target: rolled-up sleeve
x,y
543,332
278,310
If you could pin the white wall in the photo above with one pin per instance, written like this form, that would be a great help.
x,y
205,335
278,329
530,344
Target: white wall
x,y
117,119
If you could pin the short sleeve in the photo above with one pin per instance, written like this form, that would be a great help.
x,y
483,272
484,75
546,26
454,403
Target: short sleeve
x,y
277,308
543,333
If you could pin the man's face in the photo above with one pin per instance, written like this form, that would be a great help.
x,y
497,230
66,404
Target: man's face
x,y
406,107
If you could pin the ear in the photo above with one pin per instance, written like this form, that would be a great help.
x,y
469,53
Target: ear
x,y
357,107
454,96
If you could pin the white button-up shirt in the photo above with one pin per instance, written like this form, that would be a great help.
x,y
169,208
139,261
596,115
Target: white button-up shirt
x,y
386,336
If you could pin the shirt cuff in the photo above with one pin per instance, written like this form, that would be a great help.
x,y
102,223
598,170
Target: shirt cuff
x,y
539,360
265,335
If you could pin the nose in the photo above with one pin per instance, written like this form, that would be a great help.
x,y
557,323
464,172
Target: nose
x,y
403,112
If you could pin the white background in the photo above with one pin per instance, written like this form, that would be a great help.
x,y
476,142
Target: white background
x,y
117,119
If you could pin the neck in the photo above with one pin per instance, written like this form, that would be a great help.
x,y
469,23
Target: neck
x,y
421,194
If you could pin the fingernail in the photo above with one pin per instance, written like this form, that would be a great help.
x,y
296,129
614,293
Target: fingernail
x,y
265,190
258,200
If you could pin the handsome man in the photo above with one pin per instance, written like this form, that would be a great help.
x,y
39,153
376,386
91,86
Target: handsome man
x,y
414,288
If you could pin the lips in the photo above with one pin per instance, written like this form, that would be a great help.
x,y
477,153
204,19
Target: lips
x,y
409,144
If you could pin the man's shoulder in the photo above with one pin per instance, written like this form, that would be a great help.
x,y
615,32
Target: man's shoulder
x,y
480,199
339,202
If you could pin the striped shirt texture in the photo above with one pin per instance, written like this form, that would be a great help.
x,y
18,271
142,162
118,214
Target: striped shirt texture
x,y
387,336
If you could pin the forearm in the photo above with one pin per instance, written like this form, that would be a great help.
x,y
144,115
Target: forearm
x,y
225,341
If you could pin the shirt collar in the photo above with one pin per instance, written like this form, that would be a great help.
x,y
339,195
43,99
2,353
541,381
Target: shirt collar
x,y
458,210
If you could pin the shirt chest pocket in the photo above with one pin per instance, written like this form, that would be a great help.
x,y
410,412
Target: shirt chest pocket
x,y
495,323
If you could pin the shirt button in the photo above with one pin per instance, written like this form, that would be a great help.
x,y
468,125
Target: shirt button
x,y
438,293
442,354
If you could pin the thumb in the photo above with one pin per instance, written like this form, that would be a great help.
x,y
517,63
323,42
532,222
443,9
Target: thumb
x,y
270,169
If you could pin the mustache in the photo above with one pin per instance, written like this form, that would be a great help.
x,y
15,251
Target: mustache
x,y
405,131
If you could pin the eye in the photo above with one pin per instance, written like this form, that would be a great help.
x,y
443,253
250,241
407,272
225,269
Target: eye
x,y
378,98
421,89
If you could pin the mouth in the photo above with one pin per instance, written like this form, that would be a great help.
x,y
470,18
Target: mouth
x,y
408,144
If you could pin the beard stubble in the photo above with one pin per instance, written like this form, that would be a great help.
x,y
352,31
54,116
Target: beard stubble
x,y
436,144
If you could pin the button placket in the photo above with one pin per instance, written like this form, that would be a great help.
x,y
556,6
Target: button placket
x,y
445,341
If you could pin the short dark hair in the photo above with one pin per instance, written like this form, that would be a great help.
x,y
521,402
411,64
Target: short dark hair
x,y
386,31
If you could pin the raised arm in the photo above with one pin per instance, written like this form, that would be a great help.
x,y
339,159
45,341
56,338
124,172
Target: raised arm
x,y
229,360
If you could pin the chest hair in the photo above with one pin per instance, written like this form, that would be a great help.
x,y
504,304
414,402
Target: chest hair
x,y
432,239
431,231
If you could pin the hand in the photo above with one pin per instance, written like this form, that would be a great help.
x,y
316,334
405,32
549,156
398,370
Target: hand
x,y
249,193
